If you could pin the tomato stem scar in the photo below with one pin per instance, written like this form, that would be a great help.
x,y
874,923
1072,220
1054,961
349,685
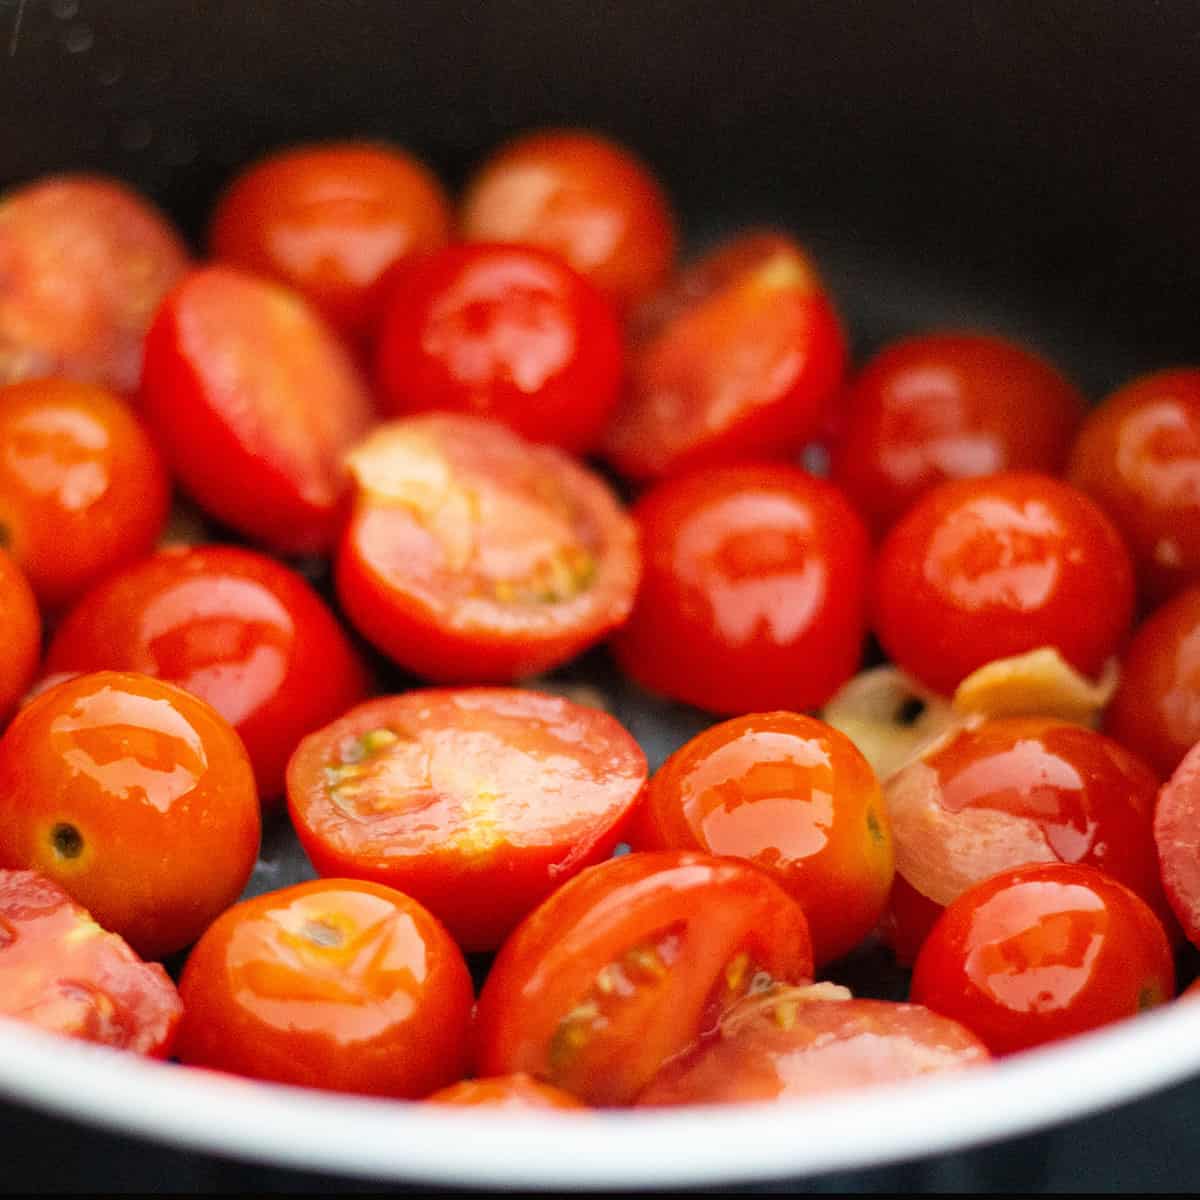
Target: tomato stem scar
x,y
67,840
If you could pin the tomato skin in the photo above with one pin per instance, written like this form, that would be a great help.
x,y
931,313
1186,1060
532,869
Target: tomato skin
x,y
235,628
22,635
1043,952
507,332
254,401
582,197
981,569
137,798
945,406
517,1093
796,798
1138,457
1176,821
82,488
737,361
85,262
664,942
473,556
335,984
60,971
482,802
761,572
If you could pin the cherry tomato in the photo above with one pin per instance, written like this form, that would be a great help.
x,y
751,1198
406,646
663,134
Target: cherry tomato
x,y
254,402
513,1092
1177,836
82,488
59,970
739,360
753,593
793,1043
335,984
84,263
796,798
981,569
231,626
508,332
1043,952
22,646
136,797
1138,457
477,802
475,556
627,964
329,220
582,197
949,406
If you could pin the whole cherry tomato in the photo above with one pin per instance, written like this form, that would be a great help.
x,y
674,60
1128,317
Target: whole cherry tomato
x,y
473,555
22,635
629,963
738,360
136,797
60,971
233,627
1176,822
334,984
254,402
85,262
1041,953
329,220
501,331
796,798
582,197
1138,457
753,593
514,1092
82,488
477,802
949,406
981,569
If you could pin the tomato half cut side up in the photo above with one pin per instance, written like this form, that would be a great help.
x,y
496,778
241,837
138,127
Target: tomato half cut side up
x,y
629,964
1177,837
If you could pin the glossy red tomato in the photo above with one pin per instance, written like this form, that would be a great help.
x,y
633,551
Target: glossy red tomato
x,y
582,197
233,627
477,802
22,645
754,590
329,219
980,569
507,332
85,262
82,488
796,798
1177,836
475,556
628,963
334,984
254,402
949,406
738,360
1041,953
1138,457
59,970
136,797
513,1092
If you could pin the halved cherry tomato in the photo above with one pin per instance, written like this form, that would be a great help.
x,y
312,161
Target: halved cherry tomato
x,y
738,360
949,406
335,984
501,331
514,1092
329,220
628,964
796,798
477,802
22,645
753,593
981,569
580,196
82,488
84,262
233,627
136,797
59,970
1043,952
473,555
254,401
1177,837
